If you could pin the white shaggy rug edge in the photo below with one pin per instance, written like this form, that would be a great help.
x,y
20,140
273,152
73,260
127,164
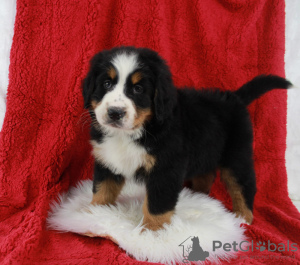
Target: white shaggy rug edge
x,y
195,215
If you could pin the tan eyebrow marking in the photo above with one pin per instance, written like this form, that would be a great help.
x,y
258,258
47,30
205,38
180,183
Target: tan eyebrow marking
x,y
136,77
112,73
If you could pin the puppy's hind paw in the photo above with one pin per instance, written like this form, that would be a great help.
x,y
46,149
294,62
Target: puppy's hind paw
x,y
246,215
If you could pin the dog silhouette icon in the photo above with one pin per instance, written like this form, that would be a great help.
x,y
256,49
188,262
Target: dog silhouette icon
x,y
197,252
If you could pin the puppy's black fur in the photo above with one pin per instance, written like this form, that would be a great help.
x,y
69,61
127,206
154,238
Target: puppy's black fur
x,y
191,133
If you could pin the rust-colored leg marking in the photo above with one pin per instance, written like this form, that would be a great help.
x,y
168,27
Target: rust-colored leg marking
x,y
203,183
155,222
107,192
235,191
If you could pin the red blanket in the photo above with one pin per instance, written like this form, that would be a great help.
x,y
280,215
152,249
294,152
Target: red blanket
x,y
44,145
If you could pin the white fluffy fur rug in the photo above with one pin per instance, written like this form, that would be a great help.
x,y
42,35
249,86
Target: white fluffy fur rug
x,y
196,215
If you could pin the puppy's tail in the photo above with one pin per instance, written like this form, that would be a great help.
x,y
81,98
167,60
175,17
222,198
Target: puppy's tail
x,y
260,85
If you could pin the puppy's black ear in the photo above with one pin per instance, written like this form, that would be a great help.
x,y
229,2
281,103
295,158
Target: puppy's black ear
x,y
88,88
89,83
165,92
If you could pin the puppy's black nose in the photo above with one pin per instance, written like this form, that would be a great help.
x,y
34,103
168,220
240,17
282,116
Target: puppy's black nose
x,y
116,114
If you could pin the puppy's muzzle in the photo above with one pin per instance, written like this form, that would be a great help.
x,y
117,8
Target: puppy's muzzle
x,y
116,114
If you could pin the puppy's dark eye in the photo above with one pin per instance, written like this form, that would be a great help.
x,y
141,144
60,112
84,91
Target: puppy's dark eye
x,y
107,84
137,89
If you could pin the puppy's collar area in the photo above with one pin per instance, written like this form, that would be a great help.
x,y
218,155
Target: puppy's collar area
x,y
133,134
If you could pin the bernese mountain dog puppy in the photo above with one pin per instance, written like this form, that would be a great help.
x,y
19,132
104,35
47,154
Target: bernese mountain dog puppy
x,y
144,129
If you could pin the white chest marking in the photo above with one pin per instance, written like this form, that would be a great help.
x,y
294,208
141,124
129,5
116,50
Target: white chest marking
x,y
120,154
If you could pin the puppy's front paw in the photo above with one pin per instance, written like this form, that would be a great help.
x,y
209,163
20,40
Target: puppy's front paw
x,y
86,209
89,234
152,226
156,222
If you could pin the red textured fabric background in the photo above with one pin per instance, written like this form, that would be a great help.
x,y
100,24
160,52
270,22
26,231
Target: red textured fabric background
x,y
44,143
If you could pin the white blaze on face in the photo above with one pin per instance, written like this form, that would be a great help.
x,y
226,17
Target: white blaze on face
x,y
125,64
